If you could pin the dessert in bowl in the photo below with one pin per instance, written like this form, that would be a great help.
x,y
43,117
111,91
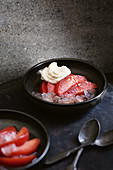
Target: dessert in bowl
x,y
65,84
59,85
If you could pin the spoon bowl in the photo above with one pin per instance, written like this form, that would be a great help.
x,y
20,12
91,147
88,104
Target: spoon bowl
x,y
105,139
89,132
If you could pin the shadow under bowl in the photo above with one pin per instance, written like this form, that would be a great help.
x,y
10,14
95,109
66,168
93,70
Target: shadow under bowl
x,y
32,78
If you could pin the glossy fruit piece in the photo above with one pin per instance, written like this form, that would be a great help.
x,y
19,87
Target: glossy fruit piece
x,y
80,88
50,87
64,84
16,161
79,78
43,88
6,137
27,148
7,134
8,130
20,138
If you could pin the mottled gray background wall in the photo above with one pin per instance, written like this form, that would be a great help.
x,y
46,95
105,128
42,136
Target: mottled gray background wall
x,y
36,30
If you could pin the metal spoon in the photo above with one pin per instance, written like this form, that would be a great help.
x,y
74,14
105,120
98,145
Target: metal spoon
x,y
73,165
87,136
104,140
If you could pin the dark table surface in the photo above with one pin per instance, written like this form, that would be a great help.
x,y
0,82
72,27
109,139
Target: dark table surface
x,y
63,132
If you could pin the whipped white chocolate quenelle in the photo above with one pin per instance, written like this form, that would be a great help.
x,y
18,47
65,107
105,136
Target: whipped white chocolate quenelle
x,y
54,74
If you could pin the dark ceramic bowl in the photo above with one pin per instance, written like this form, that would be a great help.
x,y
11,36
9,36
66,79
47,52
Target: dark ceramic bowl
x,y
36,130
93,74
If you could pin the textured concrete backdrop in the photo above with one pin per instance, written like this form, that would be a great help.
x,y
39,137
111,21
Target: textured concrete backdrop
x,y
36,30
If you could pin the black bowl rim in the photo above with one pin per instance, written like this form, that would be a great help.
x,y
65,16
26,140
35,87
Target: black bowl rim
x,y
43,127
72,59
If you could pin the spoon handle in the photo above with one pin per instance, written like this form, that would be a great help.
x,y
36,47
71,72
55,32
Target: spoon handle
x,y
73,165
61,155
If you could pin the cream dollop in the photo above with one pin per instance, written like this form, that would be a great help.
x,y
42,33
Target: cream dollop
x,y
54,74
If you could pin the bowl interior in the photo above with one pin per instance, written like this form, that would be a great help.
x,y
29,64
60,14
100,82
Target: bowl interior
x,y
32,78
